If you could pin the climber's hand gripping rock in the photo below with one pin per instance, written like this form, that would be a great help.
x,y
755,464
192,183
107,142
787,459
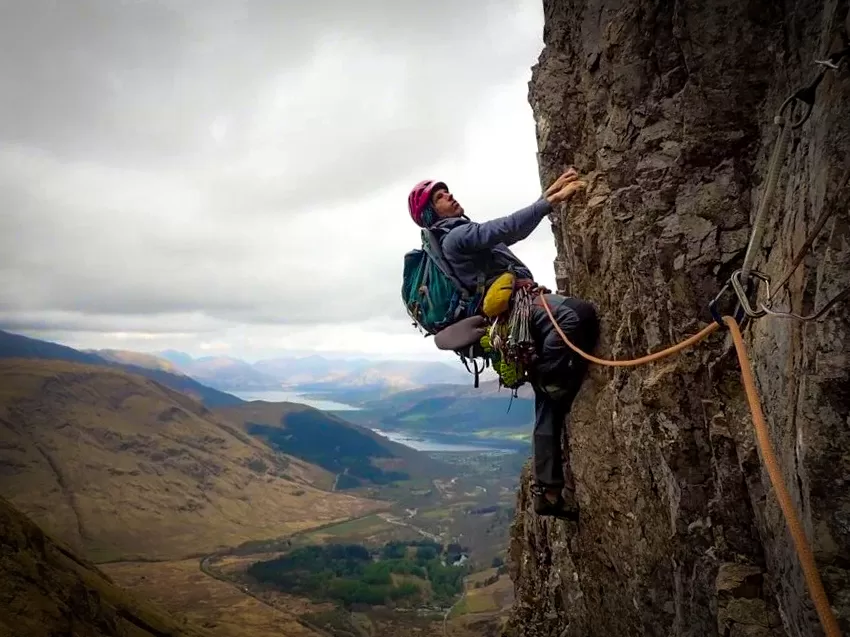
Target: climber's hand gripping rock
x,y
564,187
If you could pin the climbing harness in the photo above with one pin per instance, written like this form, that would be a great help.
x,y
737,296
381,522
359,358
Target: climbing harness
x,y
741,283
508,343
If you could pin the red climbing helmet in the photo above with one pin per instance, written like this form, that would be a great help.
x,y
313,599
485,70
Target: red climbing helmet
x,y
420,197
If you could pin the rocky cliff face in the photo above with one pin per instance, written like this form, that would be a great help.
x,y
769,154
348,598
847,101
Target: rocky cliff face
x,y
669,107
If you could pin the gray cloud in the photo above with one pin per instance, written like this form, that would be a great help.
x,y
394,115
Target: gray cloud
x,y
140,83
243,162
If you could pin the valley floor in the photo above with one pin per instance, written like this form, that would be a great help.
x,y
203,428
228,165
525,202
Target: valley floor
x,y
216,594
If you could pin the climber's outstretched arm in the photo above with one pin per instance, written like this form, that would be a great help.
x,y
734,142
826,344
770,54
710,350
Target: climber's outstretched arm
x,y
473,237
515,227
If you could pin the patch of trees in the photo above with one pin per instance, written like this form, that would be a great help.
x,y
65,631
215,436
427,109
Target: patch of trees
x,y
398,550
306,434
351,574
446,581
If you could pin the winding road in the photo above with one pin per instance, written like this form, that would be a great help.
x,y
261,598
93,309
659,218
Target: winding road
x,y
206,570
398,522
449,611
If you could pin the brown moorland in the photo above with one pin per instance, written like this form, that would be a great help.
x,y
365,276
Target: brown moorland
x,y
123,468
46,589
221,608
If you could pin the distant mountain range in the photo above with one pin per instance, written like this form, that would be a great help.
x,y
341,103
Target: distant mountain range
x,y
221,372
429,398
209,376
312,373
19,346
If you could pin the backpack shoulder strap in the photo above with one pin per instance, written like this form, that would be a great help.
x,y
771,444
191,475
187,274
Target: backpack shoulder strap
x,y
431,245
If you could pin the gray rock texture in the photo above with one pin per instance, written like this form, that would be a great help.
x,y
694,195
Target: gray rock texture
x,y
669,107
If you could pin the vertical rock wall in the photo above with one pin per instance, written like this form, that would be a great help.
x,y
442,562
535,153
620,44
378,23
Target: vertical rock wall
x,y
669,106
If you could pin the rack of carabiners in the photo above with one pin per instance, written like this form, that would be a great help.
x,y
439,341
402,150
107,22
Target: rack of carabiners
x,y
508,341
510,336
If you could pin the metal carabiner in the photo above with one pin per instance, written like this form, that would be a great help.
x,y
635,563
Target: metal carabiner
x,y
740,292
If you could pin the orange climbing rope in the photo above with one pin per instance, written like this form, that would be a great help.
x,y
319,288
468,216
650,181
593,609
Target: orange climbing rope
x,y
678,347
804,551
801,544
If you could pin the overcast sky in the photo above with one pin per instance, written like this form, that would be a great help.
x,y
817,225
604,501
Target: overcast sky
x,y
230,177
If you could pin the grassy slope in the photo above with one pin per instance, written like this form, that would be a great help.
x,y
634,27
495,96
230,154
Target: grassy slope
x,y
450,409
47,590
125,468
222,608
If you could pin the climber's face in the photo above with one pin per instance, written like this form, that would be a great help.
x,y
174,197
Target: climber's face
x,y
445,205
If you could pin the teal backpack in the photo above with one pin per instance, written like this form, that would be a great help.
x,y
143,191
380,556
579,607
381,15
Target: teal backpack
x,y
433,296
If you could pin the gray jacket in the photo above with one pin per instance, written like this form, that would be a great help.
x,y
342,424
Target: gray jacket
x,y
478,252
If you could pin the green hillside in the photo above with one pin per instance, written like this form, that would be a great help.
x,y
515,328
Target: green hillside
x,y
358,454
446,409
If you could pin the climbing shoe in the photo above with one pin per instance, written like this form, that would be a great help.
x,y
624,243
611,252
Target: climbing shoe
x,y
564,508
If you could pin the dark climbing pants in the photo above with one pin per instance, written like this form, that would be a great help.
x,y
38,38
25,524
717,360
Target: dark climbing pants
x,y
558,375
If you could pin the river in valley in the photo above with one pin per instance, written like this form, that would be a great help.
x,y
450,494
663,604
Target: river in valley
x,y
283,396
413,441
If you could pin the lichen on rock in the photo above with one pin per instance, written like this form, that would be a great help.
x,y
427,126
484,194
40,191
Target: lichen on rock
x,y
669,108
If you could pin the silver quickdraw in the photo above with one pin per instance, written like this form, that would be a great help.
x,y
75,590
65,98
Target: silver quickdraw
x,y
742,280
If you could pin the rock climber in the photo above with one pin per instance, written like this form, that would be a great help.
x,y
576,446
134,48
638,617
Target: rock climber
x,y
475,249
